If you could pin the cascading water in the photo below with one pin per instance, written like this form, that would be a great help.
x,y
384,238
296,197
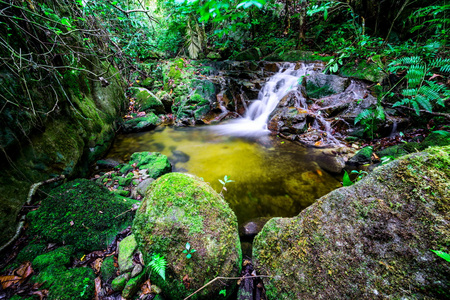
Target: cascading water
x,y
254,122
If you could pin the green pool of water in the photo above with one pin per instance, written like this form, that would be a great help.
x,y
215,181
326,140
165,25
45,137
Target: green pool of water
x,y
272,177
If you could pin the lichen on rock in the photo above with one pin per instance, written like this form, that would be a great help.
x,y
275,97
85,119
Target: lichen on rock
x,y
179,209
366,241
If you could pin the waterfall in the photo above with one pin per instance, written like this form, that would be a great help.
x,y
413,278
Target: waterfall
x,y
254,121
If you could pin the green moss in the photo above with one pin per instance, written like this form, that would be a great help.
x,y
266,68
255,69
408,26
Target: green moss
x,y
133,285
363,70
156,163
127,248
83,214
30,251
118,284
374,235
58,257
108,270
180,208
77,283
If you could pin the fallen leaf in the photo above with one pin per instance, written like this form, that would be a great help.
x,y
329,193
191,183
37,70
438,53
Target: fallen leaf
x,y
42,294
98,287
9,280
186,281
71,223
97,264
146,288
318,143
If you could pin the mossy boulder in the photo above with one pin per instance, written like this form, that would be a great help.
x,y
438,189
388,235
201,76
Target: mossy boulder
x,y
148,122
108,269
67,284
322,85
368,241
146,100
362,157
58,257
127,248
364,70
180,209
296,55
156,163
249,54
83,214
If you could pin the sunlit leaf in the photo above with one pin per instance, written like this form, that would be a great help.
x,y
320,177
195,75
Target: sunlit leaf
x,y
346,180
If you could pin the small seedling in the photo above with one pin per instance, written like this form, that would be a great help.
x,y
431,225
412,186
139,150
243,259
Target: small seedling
x,y
223,292
188,251
361,174
224,182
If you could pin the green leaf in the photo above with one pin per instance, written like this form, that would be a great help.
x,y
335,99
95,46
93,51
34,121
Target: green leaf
x,y
346,180
188,246
223,183
223,292
158,264
185,251
189,256
193,250
442,254
65,21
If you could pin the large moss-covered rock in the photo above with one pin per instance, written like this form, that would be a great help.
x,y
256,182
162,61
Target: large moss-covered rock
x,y
147,122
179,209
52,123
83,214
368,241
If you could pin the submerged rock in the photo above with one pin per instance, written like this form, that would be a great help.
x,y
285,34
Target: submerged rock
x,y
181,210
370,240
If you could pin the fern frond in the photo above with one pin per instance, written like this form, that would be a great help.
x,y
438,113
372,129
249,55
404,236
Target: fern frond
x,y
410,92
379,113
158,264
415,75
424,102
365,114
442,63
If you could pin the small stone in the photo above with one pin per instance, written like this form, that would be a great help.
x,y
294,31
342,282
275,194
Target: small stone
x,y
119,283
127,247
156,289
136,270
133,285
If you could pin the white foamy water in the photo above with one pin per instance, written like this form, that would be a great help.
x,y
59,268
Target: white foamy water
x,y
254,122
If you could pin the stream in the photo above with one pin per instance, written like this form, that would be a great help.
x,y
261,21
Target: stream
x,y
272,177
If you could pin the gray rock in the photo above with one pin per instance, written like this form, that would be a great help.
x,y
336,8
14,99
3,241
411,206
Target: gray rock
x,y
252,227
143,186
353,241
127,248
321,85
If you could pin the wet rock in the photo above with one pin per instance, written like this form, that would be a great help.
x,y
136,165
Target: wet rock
x,y
108,163
251,228
127,248
363,70
354,240
146,100
180,209
148,122
143,186
321,85
133,285
118,284
136,270
362,157
156,163
179,156
331,160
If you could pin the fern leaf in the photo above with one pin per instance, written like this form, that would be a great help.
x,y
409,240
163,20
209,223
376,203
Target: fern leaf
x,y
410,92
416,107
442,255
379,113
158,264
415,75
424,102
367,113
442,63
